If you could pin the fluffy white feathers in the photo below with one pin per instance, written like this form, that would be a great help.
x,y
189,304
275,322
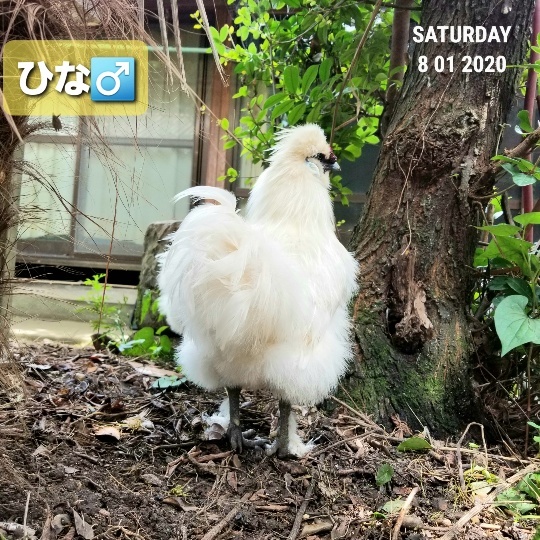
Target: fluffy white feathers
x,y
262,301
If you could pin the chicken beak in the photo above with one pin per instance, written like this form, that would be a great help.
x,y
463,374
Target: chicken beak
x,y
335,167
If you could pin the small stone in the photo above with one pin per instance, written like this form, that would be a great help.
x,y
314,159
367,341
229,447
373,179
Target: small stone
x,y
411,522
440,504
152,479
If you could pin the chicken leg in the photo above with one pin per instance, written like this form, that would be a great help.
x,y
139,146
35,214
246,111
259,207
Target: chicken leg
x,y
281,445
238,439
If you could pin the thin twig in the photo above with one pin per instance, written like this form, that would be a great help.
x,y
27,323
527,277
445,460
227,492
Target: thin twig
x,y
529,357
403,511
359,414
121,529
214,531
26,512
301,511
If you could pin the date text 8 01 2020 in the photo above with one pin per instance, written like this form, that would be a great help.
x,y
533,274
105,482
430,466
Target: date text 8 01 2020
x,y
471,64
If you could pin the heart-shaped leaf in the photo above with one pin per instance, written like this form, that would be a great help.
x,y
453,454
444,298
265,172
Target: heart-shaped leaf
x,y
514,326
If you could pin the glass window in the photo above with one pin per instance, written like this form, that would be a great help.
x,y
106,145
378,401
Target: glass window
x,y
140,182
47,190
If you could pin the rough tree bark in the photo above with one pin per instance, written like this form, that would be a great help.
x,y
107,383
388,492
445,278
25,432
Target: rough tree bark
x,y
415,240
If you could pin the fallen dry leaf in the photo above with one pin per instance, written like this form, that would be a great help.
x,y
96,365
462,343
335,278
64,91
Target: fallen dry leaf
x,y
83,528
70,535
151,370
48,533
108,433
232,480
179,503
316,527
41,450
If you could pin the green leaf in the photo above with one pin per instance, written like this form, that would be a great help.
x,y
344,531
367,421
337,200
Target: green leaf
x,y
272,100
314,113
285,106
515,501
147,335
384,474
168,381
324,69
524,122
165,344
519,178
393,507
520,286
514,327
530,485
224,123
309,76
291,79
528,218
502,229
296,114
412,444
509,248
499,283
145,305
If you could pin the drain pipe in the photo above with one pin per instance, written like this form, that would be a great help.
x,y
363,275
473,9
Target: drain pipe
x,y
527,194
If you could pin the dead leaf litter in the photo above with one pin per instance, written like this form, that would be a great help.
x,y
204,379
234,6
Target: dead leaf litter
x,y
97,450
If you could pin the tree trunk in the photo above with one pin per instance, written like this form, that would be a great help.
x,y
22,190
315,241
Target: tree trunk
x,y
415,240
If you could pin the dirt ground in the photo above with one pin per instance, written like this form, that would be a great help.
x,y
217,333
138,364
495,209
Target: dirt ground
x,y
94,451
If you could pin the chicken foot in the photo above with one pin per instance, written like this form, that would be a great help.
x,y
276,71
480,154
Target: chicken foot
x,y
237,438
280,446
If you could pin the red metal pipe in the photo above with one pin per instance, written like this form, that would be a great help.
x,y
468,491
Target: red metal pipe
x,y
527,196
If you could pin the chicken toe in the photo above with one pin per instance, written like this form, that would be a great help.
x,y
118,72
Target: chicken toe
x,y
240,440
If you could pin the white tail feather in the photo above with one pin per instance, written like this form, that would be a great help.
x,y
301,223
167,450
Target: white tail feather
x,y
222,196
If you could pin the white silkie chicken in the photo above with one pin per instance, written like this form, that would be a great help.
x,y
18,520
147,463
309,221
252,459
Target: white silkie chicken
x,y
261,301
